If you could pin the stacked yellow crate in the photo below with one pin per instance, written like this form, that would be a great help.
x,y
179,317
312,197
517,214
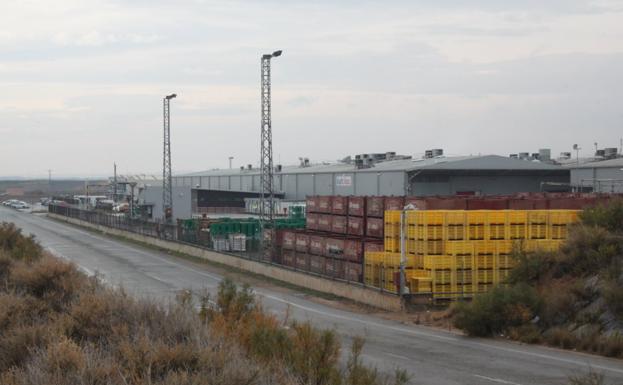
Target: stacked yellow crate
x,y
454,253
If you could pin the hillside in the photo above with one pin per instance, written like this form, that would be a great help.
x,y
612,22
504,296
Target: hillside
x,y
58,326
571,299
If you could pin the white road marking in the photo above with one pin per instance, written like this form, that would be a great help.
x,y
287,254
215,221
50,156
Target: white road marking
x,y
454,340
498,380
397,356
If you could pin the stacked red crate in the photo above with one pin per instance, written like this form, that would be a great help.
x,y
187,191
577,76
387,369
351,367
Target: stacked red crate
x,y
339,205
317,264
325,222
375,206
339,224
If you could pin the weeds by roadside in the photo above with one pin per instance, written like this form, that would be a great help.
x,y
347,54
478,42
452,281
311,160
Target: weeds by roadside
x,y
59,327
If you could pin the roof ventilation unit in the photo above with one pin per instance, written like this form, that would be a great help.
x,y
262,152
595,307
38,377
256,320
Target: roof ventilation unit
x,y
545,154
610,152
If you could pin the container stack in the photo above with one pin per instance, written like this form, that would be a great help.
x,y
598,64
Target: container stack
x,y
458,253
339,231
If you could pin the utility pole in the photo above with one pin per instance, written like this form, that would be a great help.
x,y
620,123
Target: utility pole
x,y
267,195
167,179
114,194
49,184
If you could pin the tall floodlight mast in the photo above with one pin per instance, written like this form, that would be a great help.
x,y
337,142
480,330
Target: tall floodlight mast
x,y
267,196
167,179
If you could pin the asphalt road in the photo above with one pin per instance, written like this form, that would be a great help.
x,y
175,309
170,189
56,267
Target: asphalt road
x,y
431,356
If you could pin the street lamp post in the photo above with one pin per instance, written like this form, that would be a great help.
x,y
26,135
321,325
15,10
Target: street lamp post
x,y
267,195
167,179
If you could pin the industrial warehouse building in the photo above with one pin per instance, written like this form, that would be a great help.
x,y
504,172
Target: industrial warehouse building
x,y
598,176
468,175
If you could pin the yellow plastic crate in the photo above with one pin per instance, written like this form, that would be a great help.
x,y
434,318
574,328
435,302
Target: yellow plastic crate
x,y
429,247
517,216
485,276
433,262
476,232
562,217
392,217
537,231
464,277
538,216
496,216
459,247
392,245
477,217
431,232
518,231
559,231
455,232
544,245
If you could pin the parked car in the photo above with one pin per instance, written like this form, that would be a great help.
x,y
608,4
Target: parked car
x,y
20,205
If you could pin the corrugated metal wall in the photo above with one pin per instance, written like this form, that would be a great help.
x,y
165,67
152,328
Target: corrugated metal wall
x,y
585,177
298,186
483,184
182,198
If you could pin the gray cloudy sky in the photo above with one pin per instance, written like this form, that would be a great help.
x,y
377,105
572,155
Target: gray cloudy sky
x,y
82,80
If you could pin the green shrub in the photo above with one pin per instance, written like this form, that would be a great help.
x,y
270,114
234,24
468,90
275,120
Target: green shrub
x,y
530,267
498,310
612,292
17,245
590,378
608,216
561,338
587,251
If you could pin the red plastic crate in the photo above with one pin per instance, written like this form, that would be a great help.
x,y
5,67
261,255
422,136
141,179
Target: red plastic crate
x,y
302,261
311,204
339,224
289,240
374,227
334,268
353,250
487,204
312,221
339,205
316,244
373,246
288,258
357,206
334,247
375,206
418,203
302,242
324,204
353,271
325,222
356,226
394,203
316,264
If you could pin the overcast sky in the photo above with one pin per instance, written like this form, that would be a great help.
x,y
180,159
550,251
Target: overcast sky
x,y
82,80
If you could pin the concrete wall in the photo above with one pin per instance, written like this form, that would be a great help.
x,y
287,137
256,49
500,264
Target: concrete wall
x,y
353,292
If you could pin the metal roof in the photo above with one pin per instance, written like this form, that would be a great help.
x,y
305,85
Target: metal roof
x,y
611,163
472,162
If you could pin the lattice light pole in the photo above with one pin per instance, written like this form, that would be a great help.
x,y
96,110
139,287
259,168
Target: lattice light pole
x,y
167,178
267,196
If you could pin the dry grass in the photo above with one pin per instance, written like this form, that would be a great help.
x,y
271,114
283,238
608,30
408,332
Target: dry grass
x,y
59,327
